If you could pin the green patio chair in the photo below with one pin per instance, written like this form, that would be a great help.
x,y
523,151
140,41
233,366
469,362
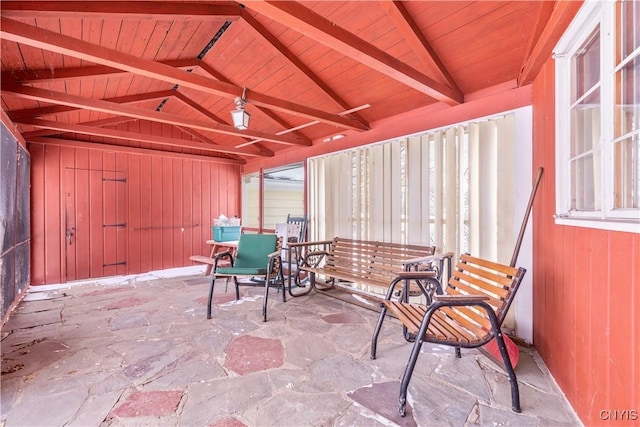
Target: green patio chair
x,y
257,255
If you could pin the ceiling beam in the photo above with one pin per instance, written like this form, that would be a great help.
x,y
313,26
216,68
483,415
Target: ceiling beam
x,y
263,151
127,149
272,115
61,98
418,42
95,123
79,73
56,109
197,107
133,136
562,15
260,31
295,16
121,9
43,39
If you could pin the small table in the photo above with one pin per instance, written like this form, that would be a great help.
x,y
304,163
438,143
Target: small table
x,y
220,247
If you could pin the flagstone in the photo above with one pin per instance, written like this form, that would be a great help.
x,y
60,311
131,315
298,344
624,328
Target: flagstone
x,y
93,346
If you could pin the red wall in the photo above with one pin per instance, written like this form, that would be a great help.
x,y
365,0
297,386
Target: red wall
x,y
586,293
166,201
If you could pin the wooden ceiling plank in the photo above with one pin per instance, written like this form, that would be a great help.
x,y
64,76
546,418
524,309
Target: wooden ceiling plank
x,y
264,34
132,111
562,15
133,136
26,34
305,21
122,9
55,109
418,42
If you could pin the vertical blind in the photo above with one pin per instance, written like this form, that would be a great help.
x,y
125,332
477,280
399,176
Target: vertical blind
x,y
452,188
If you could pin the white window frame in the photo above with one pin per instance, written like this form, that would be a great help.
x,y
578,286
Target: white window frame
x,y
591,15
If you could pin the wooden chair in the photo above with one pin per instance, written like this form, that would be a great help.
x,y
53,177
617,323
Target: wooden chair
x,y
469,315
257,255
293,260
302,220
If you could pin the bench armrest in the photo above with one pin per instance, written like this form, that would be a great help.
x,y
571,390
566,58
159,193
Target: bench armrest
x,y
463,299
417,274
429,258
303,244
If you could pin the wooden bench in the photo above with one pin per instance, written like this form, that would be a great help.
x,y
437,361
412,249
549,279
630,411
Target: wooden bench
x,y
367,263
469,314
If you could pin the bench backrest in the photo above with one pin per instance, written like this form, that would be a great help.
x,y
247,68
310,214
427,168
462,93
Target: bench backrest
x,y
372,260
476,276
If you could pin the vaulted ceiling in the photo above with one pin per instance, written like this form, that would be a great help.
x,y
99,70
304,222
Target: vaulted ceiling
x,y
164,75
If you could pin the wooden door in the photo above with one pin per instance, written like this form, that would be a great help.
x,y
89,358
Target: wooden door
x,y
95,224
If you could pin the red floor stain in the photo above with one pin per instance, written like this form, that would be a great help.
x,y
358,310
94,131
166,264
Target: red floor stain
x,y
347,317
248,354
149,403
127,302
105,292
218,298
228,422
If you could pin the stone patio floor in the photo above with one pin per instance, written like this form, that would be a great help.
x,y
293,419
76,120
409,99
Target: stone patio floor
x,y
138,350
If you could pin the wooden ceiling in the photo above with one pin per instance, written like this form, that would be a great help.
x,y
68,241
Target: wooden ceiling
x,y
164,75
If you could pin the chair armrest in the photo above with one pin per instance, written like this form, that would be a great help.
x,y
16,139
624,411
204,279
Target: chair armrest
x,y
276,254
219,255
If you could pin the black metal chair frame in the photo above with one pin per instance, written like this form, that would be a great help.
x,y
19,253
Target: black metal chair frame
x,y
274,264
442,301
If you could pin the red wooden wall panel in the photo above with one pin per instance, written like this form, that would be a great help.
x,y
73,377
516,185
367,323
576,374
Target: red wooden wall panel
x,y
166,201
96,253
82,222
144,230
134,203
52,224
165,211
37,213
586,292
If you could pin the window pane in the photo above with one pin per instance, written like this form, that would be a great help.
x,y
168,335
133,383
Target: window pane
x,y
628,98
627,173
585,124
585,182
628,26
283,194
251,200
587,66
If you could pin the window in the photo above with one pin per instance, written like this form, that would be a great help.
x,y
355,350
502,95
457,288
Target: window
x,y
598,118
282,194
454,188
